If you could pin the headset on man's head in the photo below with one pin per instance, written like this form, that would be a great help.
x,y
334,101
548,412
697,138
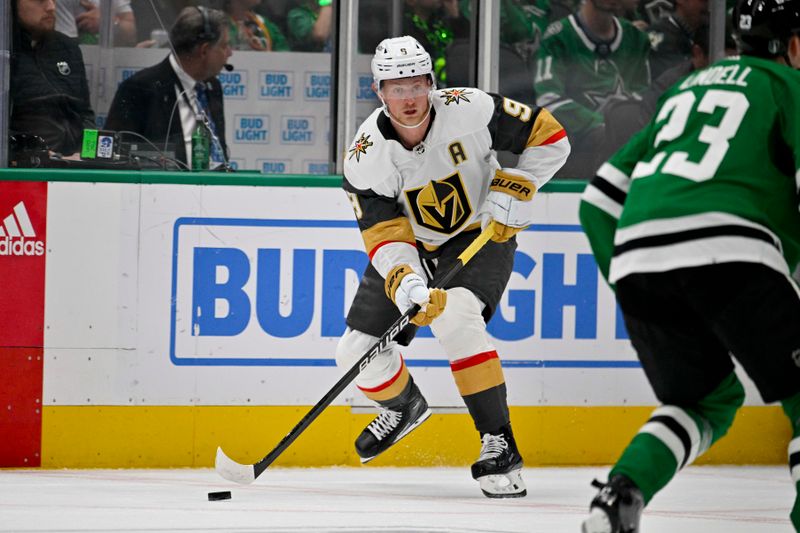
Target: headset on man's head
x,y
207,34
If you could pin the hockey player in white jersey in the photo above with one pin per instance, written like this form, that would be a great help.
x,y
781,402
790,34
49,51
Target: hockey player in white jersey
x,y
423,178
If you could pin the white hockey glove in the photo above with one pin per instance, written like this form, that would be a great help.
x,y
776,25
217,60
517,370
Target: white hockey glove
x,y
406,288
509,203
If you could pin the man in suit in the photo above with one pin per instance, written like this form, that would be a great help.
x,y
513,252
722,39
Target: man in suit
x,y
165,102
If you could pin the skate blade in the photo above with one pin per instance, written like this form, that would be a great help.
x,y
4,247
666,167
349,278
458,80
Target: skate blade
x,y
508,485
408,430
598,522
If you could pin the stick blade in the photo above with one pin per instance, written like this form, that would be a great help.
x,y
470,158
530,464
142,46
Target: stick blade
x,y
233,471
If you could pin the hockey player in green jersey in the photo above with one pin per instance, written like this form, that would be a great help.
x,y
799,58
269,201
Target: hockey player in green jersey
x,y
587,60
696,223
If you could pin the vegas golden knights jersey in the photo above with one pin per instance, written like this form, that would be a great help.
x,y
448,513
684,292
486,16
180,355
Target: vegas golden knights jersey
x,y
434,191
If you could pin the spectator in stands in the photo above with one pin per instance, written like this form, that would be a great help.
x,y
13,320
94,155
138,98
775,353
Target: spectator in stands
x,y
374,24
624,118
520,20
560,9
652,10
586,61
165,102
632,11
309,26
671,40
49,93
519,38
276,11
435,24
250,31
81,19
151,14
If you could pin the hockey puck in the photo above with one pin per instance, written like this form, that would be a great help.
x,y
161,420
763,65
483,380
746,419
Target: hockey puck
x,y
217,496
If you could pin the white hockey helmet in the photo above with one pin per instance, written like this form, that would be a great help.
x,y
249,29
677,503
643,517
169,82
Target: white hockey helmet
x,y
400,57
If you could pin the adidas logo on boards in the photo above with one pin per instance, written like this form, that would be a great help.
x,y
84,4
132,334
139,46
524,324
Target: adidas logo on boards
x,y
17,236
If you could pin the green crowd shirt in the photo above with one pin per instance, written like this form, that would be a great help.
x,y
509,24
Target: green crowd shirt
x,y
575,82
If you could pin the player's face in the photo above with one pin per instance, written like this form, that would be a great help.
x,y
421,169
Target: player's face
x,y
608,6
407,98
37,16
694,12
627,6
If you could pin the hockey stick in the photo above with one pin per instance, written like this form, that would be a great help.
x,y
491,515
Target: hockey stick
x,y
247,473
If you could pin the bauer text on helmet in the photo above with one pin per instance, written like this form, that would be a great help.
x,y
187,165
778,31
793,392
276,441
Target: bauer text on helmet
x,y
400,57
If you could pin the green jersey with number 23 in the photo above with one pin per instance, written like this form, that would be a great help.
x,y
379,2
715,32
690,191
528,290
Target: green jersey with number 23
x,y
713,178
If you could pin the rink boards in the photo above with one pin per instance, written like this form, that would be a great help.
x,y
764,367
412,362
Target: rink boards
x,y
148,323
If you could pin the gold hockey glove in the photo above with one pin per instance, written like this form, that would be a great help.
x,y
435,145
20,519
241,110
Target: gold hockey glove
x,y
509,203
405,288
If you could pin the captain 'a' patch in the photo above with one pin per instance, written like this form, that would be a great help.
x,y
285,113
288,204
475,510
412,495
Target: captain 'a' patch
x,y
441,205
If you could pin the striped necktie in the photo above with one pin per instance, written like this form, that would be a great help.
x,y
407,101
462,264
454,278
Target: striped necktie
x,y
202,103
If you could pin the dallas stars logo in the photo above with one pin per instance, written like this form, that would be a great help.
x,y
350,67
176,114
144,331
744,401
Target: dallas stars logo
x,y
601,99
360,147
454,96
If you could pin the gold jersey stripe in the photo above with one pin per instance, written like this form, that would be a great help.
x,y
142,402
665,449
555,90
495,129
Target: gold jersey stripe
x,y
390,389
545,127
397,229
480,377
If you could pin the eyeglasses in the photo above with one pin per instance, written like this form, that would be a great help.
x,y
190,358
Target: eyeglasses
x,y
403,92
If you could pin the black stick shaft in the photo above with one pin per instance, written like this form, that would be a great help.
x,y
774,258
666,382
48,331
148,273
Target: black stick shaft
x,y
365,359
331,395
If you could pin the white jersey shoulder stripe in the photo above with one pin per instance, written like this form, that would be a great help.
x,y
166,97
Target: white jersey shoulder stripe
x,y
596,197
614,176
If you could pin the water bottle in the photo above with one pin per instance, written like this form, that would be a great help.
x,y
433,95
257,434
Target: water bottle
x,y
200,147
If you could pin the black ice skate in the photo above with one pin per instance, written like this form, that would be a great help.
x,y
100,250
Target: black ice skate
x,y
396,420
499,467
617,508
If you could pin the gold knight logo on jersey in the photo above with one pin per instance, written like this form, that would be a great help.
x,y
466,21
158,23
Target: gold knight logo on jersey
x,y
360,147
455,96
442,206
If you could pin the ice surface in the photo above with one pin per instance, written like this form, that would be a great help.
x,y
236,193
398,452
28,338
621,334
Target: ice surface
x,y
385,500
